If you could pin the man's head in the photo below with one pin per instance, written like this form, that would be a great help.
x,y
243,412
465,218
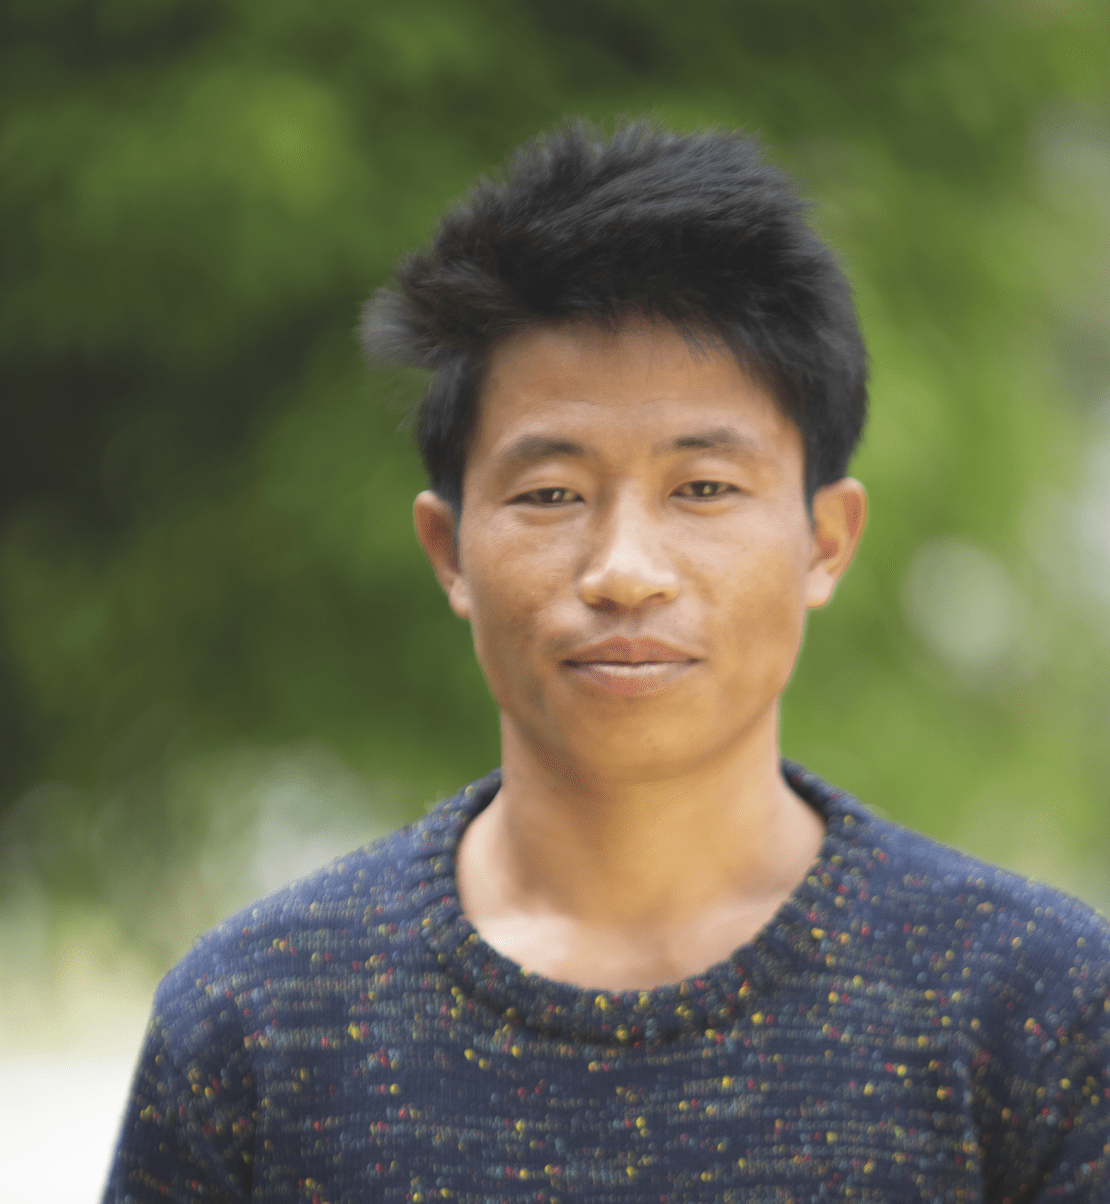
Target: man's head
x,y
692,228
649,380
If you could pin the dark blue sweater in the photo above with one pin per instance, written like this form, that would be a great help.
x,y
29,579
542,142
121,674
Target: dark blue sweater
x,y
912,1025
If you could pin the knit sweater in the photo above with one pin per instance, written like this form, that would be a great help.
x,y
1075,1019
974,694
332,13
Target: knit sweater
x,y
912,1025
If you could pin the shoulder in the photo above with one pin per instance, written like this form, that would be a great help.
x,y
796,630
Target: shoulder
x,y
1000,913
305,936
1025,953
1018,974
942,922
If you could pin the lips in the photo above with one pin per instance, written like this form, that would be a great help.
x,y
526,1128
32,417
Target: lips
x,y
619,650
630,668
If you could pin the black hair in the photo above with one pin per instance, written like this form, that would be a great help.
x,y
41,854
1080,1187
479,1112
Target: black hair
x,y
693,228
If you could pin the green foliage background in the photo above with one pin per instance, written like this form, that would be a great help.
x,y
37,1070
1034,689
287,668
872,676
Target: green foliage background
x,y
206,561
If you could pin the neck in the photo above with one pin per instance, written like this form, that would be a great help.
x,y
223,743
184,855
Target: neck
x,y
624,854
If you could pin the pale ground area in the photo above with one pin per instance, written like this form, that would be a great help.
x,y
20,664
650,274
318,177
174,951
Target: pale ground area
x,y
71,1022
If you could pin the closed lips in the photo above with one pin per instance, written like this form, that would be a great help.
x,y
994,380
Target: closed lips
x,y
619,650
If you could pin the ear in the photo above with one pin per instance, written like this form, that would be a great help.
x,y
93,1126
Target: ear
x,y
435,528
839,516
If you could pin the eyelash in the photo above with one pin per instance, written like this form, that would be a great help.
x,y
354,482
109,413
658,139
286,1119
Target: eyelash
x,y
720,488
536,496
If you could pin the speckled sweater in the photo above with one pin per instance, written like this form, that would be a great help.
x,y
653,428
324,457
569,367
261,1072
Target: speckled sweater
x,y
912,1025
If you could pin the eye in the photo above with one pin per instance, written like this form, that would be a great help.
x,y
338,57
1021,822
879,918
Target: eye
x,y
548,497
706,489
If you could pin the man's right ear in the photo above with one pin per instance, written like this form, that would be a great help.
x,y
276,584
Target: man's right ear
x,y
436,530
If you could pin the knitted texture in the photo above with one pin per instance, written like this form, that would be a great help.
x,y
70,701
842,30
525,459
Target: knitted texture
x,y
912,1026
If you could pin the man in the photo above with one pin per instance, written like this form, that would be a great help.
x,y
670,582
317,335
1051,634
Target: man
x,y
645,960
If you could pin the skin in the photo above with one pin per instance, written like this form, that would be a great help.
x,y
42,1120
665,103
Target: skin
x,y
622,485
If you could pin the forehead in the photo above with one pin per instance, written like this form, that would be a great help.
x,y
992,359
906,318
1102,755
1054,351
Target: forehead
x,y
637,384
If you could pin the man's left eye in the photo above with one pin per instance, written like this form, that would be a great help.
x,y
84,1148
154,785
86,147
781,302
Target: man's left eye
x,y
705,489
548,497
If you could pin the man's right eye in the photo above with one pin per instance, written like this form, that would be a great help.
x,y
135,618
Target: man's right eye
x,y
548,497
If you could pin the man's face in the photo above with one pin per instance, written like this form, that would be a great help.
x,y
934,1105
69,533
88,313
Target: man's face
x,y
635,556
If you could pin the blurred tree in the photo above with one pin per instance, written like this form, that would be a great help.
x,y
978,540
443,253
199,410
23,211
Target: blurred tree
x,y
205,542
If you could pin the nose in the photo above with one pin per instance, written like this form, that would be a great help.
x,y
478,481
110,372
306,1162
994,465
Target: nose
x,y
629,568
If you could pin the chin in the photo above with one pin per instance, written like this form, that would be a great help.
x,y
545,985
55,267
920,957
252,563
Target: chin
x,y
636,757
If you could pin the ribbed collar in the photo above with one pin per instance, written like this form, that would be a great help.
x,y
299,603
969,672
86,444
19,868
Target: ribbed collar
x,y
802,927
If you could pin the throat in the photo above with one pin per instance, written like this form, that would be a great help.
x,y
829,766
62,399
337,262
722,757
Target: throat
x,y
612,958
628,914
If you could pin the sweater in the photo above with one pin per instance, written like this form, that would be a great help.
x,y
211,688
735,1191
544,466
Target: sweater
x,y
911,1025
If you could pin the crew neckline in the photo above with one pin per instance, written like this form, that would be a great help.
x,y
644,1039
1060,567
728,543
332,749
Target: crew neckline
x,y
702,1004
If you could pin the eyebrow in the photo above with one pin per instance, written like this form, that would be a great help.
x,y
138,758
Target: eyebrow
x,y
719,438
529,449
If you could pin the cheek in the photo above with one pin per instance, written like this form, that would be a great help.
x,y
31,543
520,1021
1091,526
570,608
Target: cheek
x,y
761,601
506,605
512,573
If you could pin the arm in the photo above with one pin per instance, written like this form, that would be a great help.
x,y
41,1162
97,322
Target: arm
x,y
1051,1139
188,1129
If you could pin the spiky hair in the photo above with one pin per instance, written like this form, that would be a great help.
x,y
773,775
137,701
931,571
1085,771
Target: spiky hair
x,y
693,228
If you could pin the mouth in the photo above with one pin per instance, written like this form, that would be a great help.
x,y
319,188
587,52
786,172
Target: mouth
x,y
630,668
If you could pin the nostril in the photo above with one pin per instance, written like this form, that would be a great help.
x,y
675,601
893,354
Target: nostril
x,y
627,590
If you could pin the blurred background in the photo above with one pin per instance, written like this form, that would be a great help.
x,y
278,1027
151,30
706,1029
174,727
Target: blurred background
x,y
222,659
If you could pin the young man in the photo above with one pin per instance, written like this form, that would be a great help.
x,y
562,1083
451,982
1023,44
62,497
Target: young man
x,y
645,960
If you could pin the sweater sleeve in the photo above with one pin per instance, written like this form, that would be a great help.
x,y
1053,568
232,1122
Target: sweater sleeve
x,y
1051,1132
1077,1105
188,1129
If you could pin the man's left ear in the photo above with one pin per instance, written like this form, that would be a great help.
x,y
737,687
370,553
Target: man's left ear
x,y
839,515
